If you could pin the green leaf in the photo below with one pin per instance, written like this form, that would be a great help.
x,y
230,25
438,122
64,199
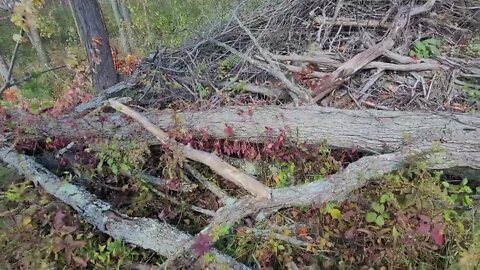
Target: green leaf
x,y
17,38
114,169
371,217
379,208
395,233
209,257
434,51
467,200
380,221
335,213
109,162
124,167
419,47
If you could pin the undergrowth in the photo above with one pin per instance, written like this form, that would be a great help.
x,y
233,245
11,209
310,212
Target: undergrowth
x,y
410,219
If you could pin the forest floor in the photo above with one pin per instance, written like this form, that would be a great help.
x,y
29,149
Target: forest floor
x,y
410,218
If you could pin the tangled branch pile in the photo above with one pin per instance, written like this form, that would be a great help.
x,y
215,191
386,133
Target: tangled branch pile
x,y
297,38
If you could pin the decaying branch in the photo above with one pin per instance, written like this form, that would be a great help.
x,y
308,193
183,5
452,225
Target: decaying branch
x,y
347,69
143,232
215,163
295,89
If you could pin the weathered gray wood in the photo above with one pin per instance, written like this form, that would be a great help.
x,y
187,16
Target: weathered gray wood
x,y
144,232
368,130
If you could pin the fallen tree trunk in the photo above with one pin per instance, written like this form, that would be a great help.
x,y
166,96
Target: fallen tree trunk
x,y
369,130
143,232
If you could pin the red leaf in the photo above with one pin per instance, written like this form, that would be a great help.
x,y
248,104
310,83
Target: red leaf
x,y
250,111
437,234
228,130
424,218
58,219
80,261
423,228
350,234
202,244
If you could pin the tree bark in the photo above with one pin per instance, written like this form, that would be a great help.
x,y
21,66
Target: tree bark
x,y
128,24
121,26
369,130
3,69
96,43
37,44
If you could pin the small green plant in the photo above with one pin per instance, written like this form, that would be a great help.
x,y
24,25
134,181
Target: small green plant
x,y
332,210
378,215
285,174
18,192
426,48
121,158
459,193
111,255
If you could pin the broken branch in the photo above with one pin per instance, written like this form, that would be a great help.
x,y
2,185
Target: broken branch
x,y
215,163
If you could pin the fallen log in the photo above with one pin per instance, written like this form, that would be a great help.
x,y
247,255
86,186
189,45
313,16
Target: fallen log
x,y
370,131
144,232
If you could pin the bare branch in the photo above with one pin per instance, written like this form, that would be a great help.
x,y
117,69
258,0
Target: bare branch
x,y
215,163
144,232
275,70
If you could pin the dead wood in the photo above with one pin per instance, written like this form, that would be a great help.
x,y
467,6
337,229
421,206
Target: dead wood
x,y
215,163
367,130
346,70
143,232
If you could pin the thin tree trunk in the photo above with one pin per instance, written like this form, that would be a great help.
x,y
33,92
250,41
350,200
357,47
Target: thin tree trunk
x,y
147,23
96,42
37,44
3,69
128,24
120,24
77,27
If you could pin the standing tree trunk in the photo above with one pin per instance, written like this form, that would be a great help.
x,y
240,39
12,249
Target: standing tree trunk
x,y
97,45
147,23
3,69
121,26
128,24
37,44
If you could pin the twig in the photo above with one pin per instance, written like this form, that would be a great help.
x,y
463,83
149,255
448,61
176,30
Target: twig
x,y
215,163
361,94
64,150
222,195
176,202
257,89
328,29
346,70
344,21
12,63
288,239
275,70
36,74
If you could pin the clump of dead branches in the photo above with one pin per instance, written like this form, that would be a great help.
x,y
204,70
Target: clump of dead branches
x,y
339,53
